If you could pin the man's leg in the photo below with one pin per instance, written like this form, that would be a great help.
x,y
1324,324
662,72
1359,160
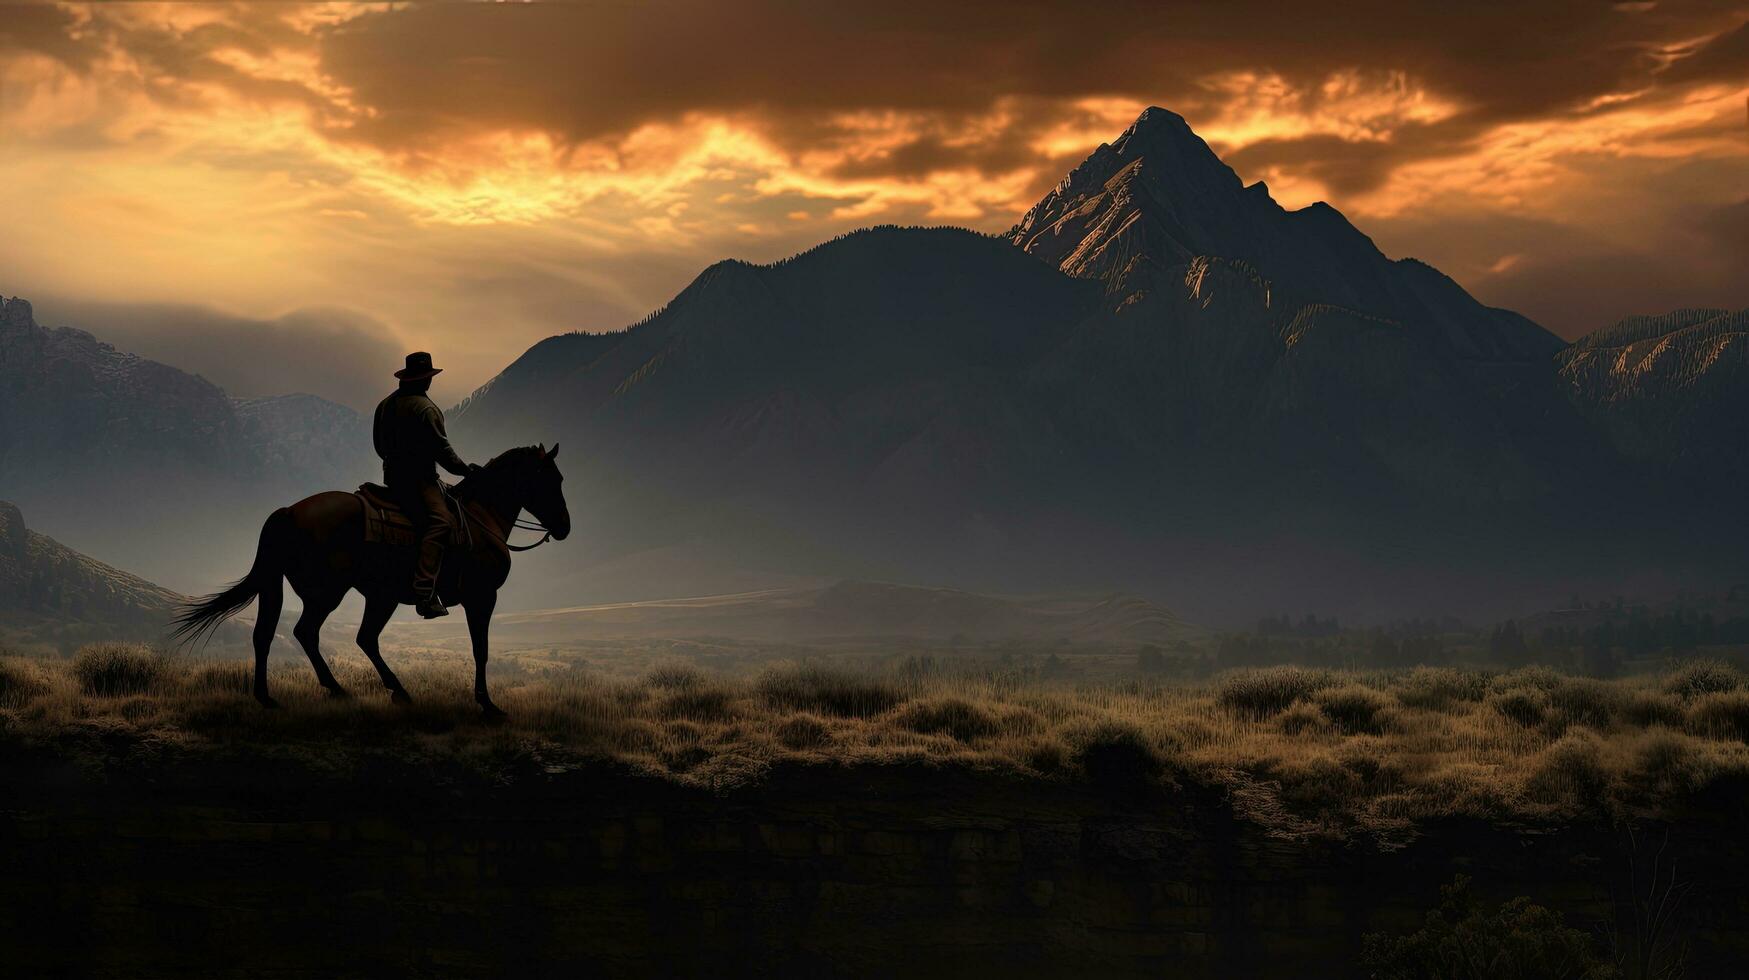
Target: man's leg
x,y
430,515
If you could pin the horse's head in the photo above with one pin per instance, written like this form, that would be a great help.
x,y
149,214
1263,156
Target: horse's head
x,y
543,493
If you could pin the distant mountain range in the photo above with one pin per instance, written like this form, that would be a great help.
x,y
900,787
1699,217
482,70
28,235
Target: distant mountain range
x,y
1159,381
149,465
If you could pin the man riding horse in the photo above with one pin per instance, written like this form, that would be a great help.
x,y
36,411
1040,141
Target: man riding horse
x,y
408,435
320,545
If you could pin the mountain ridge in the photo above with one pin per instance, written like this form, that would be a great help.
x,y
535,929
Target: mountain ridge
x,y
1230,374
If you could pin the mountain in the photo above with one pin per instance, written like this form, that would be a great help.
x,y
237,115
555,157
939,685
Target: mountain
x,y
149,465
51,594
1159,382
1159,379
1158,198
1671,392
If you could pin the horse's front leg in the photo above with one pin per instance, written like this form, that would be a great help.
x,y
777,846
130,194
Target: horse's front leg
x,y
479,622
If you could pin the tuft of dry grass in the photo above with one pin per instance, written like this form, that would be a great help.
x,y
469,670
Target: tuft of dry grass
x,y
19,682
1301,749
1269,691
1698,677
115,669
813,687
1354,709
1439,688
956,718
1721,714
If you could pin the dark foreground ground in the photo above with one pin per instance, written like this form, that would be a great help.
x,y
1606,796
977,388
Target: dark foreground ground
x,y
157,861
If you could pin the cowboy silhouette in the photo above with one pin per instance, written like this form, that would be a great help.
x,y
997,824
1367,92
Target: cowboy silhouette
x,y
408,435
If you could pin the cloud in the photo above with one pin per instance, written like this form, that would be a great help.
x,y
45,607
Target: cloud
x,y
341,355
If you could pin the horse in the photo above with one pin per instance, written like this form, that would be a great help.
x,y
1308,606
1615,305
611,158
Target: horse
x,y
318,545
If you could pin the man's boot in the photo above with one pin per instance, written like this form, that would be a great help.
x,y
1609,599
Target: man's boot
x,y
433,534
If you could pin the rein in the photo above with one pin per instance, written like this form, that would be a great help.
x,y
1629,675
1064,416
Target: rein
x,y
516,523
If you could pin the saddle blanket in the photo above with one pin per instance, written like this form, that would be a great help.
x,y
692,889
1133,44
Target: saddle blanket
x,y
386,523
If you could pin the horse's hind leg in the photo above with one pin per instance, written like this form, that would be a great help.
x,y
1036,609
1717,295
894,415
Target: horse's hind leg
x,y
266,621
377,611
317,607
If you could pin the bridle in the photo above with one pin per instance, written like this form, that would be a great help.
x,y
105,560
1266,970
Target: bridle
x,y
515,524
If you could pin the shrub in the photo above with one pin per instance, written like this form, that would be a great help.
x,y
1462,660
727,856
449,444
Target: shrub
x,y
1262,693
1318,783
801,732
699,704
1047,756
111,669
1462,940
1525,705
1648,708
1437,688
810,687
674,676
1353,709
1534,678
1724,714
1302,718
1585,701
953,717
1664,758
1698,677
1114,755
18,682
1571,769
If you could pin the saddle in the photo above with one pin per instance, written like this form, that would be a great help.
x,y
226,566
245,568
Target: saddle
x,y
386,523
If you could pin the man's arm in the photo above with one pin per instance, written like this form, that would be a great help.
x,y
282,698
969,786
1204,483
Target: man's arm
x,y
441,450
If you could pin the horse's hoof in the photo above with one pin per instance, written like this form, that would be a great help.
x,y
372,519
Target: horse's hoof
x,y
267,702
399,696
338,693
492,712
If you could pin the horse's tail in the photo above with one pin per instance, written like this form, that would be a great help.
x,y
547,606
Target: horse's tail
x,y
206,614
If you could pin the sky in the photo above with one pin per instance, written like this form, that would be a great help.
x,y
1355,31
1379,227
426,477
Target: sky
x,y
289,196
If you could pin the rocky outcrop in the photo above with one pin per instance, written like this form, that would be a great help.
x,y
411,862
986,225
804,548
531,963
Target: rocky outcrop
x,y
166,867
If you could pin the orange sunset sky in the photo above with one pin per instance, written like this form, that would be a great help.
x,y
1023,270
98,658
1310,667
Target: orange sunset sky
x,y
286,196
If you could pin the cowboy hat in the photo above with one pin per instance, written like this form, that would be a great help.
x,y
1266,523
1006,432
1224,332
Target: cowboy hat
x,y
418,367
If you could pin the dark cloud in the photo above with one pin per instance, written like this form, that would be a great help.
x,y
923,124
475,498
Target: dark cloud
x,y
45,30
1346,166
429,73
1725,56
585,71
340,355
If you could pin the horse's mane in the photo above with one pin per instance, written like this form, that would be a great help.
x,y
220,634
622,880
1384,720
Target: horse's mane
x,y
494,465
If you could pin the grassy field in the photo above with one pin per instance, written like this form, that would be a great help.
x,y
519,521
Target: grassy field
x,y
1301,749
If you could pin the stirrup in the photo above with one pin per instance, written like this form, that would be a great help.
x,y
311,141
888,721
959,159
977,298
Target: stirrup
x,y
431,607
